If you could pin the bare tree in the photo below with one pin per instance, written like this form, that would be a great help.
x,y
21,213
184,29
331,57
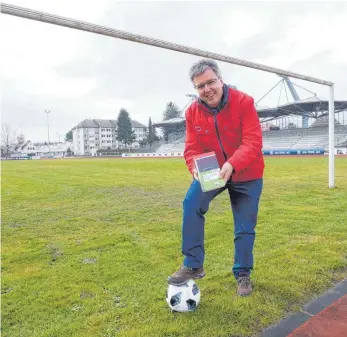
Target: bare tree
x,y
8,139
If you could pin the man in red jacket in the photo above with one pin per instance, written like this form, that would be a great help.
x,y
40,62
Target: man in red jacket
x,y
223,120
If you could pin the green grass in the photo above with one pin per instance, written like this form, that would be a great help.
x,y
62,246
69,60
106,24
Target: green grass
x,y
87,246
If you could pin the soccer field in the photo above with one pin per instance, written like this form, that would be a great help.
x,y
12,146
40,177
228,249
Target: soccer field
x,y
88,244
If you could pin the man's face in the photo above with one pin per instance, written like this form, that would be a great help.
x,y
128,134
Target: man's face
x,y
209,87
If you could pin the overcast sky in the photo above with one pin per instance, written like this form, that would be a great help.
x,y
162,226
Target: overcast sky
x,y
78,75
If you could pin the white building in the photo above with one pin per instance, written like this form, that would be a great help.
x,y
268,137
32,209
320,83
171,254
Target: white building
x,y
93,134
43,150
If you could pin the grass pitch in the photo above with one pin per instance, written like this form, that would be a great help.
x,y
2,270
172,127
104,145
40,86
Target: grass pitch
x,y
88,244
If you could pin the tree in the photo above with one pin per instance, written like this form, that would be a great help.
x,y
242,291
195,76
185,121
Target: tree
x,y
68,136
152,133
125,132
171,111
20,139
8,139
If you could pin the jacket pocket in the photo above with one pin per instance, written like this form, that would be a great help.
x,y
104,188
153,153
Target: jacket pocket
x,y
203,129
205,134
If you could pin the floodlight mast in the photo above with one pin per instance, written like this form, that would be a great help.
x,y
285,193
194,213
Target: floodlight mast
x,y
97,29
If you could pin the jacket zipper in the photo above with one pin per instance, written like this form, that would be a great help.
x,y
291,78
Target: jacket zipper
x,y
218,136
217,131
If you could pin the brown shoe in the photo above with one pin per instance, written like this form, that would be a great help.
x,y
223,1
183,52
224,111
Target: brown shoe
x,y
244,286
184,274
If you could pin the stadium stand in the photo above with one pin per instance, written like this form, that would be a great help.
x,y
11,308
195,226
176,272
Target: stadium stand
x,y
316,136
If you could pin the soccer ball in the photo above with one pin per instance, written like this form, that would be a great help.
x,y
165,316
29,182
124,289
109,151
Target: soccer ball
x,y
183,298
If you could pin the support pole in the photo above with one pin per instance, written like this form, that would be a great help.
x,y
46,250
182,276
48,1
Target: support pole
x,y
331,137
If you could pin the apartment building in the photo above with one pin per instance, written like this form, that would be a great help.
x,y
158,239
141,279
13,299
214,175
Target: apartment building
x,y
93,134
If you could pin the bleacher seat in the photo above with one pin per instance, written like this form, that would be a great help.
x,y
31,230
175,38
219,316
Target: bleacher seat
x,y
312,137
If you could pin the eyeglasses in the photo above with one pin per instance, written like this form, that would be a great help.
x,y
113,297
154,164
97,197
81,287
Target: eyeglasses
x,y
208,83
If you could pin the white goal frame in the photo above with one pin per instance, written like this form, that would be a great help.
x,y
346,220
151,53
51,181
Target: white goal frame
x,y
92,28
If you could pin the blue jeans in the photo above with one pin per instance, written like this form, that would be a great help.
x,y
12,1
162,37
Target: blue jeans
x,y
244,198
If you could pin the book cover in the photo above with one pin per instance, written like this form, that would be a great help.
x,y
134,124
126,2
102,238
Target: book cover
x,y
208,171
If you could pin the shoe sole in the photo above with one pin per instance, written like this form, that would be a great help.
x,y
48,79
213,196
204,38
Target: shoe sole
x,y
244,295
196,277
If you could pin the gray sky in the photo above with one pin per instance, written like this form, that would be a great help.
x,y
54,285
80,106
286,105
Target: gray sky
x,y
79,75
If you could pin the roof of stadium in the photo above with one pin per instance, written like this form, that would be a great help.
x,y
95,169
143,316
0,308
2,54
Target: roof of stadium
x,y
311,107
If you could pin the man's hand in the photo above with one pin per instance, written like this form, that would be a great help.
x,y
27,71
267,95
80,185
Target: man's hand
x,y
226,171
195,174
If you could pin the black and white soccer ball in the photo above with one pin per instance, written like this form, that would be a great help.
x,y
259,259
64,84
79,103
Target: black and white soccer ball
x,y
183,298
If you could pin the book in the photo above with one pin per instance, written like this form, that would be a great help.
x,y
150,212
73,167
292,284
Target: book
x,y
208,171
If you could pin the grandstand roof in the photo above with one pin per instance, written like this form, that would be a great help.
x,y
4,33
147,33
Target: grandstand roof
x,y
172,121
311,107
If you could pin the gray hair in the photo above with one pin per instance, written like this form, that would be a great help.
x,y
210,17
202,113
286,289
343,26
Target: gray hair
x,y
199,67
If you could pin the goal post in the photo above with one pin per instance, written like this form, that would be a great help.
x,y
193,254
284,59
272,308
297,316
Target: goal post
x,y
106,31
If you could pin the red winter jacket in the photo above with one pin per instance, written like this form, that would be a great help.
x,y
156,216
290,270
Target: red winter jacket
x,y
234,133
